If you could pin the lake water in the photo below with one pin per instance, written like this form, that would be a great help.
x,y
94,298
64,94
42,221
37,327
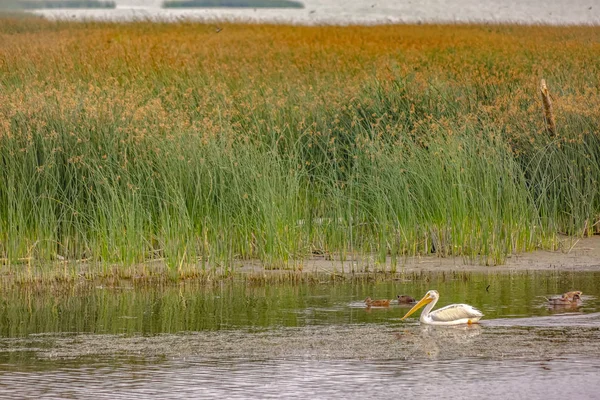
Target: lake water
x,y
364,12
236,340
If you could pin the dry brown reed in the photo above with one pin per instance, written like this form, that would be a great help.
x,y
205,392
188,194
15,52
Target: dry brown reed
x,y
139,141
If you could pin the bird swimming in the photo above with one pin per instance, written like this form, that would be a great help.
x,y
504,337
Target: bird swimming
x,y
404,299
376,303
571,299
454,314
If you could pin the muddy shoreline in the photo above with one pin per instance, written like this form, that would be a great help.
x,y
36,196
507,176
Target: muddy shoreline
x,y
576,255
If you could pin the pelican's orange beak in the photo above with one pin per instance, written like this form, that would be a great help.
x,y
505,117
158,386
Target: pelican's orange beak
x,y
421,303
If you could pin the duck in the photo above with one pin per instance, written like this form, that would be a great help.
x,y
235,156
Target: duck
x,y
404,299
571,299
376,303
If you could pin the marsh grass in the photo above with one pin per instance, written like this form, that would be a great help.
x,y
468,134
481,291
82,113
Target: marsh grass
x,y
136,143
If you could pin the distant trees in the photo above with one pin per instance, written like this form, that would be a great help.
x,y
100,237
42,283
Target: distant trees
x,y
232,4
44,4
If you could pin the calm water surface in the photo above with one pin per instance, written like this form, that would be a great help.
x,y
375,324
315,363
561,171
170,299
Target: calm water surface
x,y
299,341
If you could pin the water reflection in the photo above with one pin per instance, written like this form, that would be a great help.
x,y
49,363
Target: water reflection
x,y
430,338
301,341
171,309
379,358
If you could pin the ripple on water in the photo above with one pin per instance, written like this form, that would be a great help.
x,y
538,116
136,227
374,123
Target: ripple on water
x,y
313,341
297,378
565,319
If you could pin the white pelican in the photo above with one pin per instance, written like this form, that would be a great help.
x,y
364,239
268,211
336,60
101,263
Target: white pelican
x,y
454,314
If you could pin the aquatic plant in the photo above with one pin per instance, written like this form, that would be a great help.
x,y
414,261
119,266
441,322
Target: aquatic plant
x,y
138,142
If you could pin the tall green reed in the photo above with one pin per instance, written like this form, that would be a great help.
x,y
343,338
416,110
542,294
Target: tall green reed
x,y
215,171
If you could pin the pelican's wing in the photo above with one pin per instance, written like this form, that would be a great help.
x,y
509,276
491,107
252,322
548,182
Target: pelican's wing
x,y
455,312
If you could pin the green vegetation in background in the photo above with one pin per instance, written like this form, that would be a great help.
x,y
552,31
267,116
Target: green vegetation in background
x,y
275,143
232,4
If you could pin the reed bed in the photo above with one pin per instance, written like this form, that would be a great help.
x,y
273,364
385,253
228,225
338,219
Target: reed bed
x,y
126,143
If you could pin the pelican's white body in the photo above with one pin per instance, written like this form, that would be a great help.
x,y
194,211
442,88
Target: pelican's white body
x,y
454,314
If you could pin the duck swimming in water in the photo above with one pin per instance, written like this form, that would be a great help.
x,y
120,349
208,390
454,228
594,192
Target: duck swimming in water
x,y
404,299
376,303
569,299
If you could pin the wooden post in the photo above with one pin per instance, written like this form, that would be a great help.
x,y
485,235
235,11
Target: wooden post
x,y
548,112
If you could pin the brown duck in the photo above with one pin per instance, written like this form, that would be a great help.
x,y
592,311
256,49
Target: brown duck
x,y
571,299
404,299
376,303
